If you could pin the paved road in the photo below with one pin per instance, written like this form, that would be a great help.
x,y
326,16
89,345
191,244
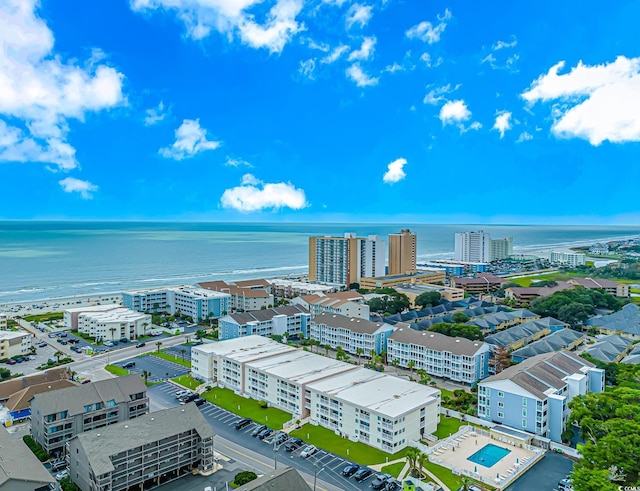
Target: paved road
x,y
256,454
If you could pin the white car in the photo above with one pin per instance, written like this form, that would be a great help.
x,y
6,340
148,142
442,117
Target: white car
x,y
308,451
181,393
62,474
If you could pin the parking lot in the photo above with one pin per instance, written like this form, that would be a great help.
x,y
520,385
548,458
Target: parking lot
x,y
545,475
178,351
223,423
158,368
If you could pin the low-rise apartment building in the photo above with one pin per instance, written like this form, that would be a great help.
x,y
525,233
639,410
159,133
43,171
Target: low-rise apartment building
x,y
518,336
245,295
380,410
349,303
291,288
191,301
414,290
503,320
3,321
291,320
524,295
20,470
350,333
14,343
616,289
59,415
145,452
113,324
458,359
625,322
363,405
481,283
571,259
430,277
72,315
533,396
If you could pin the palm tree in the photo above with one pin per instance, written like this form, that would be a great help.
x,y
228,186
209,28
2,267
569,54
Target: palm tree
x,y
58,354
144,327
412,456
146,375
422,459
411,365
466,483
200,334
372,353
359,352
113,329
158,344
422,373
184,352
327,347
395,362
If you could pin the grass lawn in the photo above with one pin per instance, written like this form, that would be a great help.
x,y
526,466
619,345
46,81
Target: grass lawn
x,y
187,381
50,316
354,451
175,359
445,475
448,426
446,392
393,469
116,370
248,408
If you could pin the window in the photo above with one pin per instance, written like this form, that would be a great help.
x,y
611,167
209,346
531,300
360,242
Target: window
x,y
500,404
524,413
524,423
500,394
500,415
524,401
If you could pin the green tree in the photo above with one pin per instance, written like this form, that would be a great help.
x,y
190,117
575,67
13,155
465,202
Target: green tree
x,y
184,353
158,344
200,333
411,365
396,363
359,352
244,477
459,318
58,354
428,299
146,374
412,457
467,331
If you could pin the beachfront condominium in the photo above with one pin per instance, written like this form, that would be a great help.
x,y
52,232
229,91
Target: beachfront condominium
x,y
457,359
143,453
344,260
197,303
533,396
3,321
363,405
402,253
112,324
288,320
571,259
14,343
349,303
474,247
59,415
501,249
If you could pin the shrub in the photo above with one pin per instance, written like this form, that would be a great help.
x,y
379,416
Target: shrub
x,y
38,451
263,404
244,477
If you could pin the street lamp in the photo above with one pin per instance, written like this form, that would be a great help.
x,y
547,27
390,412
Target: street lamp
x,y
315,475
275,454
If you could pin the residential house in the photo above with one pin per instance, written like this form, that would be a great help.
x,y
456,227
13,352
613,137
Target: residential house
x,y
502,320
610,349
14,343
524,295
414,290
625,322
282,478
565,339
521,335
197,303
290,288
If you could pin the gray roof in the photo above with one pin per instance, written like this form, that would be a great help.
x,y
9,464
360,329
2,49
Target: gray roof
x,y
264,315
542,372
73,399
492,320
99,445
437,341
609,348
626,320
282,479
553,342
524,330
19,463
354,324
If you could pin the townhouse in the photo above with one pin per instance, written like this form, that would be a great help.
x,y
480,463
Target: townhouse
x,y
502,320
245,295
349,303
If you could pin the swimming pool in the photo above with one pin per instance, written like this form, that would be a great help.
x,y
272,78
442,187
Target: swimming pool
x,y
488,455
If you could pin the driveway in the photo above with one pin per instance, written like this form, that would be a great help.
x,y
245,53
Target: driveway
x,y
158,368
544,476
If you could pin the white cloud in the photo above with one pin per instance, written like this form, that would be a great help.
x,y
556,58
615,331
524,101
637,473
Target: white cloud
x,y
427,32
476,125
598,103
232,162
42,92
395,171
155,114
191,139
73,185
396,67
358,14
503,122
366,49
524,136
498,45
437,94
498,59
255,195
454,112
233,18
361,79
307,68
335,54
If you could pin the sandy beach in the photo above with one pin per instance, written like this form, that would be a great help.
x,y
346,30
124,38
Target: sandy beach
x,y
20,309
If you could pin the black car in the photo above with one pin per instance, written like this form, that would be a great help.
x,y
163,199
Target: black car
x,y
393,485
200,401
350,470
265,433
362,474
124,340
243,423
258,429
293,444
129,364
280,438
380,480
140,345
189,398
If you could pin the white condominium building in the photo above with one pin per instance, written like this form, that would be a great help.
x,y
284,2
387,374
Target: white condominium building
x,y
363,405
3,321
383,411
14,343
457,359
349,303
350,333
114,324
372,256
71,315
571,259
501,248
473,247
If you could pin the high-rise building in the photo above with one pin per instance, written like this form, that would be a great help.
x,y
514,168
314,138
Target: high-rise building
x,y
473,247
402,252
372,257
501,248
335,260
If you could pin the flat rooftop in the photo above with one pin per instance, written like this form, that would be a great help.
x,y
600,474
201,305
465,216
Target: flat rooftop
x,y
93,308
120,314
301,367
422,272
13,334
245,349
385,394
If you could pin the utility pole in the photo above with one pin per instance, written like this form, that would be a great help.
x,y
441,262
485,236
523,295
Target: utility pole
x,y
275,450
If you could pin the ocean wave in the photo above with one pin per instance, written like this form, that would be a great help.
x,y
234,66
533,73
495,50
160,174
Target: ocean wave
x,y
98,283
222,273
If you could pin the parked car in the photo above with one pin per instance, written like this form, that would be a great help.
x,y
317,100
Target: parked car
x,y
200,401
258,429
380,480
293,444
362,474
280,438
189,398
42,344
62,341
73,341
62,474
63,334
266,433
86,381
129,364
244,422
114,342
58,465
181,393
393,485
19,359
124,340
350,470
308,451
108,343
76,349
52,335
10,362
141,344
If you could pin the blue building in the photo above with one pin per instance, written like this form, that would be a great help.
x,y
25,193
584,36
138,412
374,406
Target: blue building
x,y
197,303
290,319
534,395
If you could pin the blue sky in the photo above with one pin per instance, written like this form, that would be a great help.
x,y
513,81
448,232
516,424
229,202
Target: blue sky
x,y
335,110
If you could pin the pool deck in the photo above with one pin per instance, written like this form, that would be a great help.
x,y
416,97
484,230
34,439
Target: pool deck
x,y
454,452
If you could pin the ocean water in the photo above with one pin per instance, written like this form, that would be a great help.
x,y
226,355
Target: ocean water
x,y
40,260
